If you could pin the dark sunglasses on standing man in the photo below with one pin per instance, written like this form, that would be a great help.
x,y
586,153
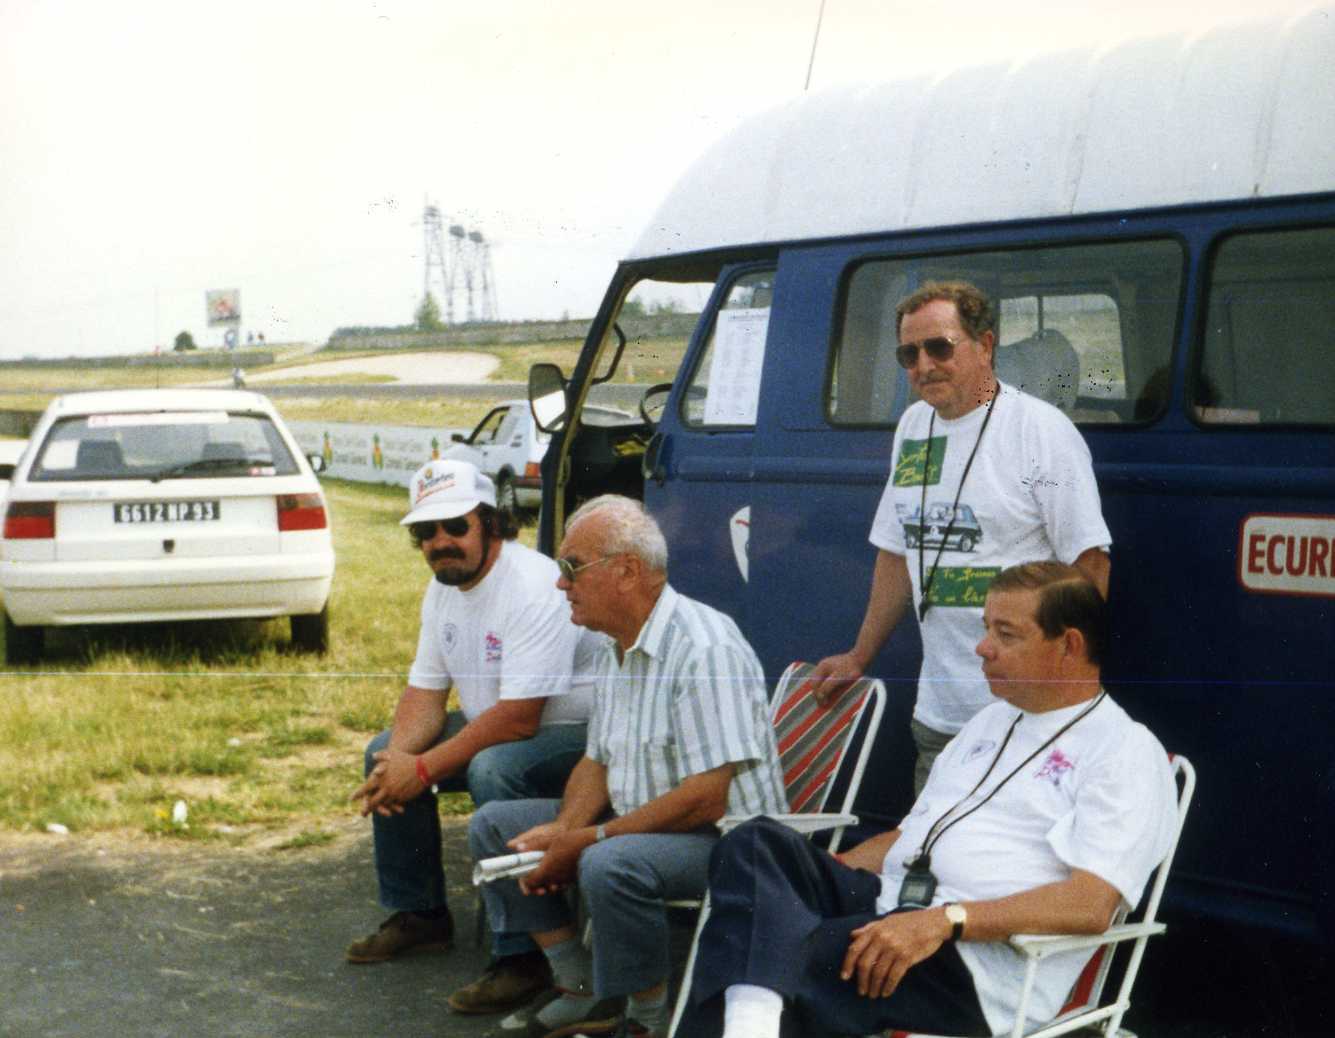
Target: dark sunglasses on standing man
x,y
938,347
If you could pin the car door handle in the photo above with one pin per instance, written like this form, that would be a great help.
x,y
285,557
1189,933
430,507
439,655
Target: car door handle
x,y
650,465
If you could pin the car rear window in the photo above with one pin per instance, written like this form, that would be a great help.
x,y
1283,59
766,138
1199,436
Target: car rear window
x,y
163,445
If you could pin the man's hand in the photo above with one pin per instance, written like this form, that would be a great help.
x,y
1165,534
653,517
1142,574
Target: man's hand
x,y
391,784
560,863
833,676
539,838
880,953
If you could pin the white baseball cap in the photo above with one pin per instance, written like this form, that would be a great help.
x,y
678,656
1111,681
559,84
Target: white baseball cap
x,y
446,489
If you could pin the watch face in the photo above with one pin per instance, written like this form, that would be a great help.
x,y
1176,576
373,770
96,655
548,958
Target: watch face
x,y
956,914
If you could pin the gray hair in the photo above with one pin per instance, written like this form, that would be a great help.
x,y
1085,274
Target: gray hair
x,y
630,529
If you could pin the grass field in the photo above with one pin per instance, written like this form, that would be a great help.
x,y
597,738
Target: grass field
x,y
118,724
645,362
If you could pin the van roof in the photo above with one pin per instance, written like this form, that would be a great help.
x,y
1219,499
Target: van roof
x,y
1233,112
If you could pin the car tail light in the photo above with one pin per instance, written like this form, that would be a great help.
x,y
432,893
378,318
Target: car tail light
x,y
301,512
532,470
30,520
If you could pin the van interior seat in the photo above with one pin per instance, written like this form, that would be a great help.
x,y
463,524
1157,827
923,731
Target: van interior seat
x,y
1044,365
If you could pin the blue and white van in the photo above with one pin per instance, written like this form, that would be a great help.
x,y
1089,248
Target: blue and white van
x,y
1157,222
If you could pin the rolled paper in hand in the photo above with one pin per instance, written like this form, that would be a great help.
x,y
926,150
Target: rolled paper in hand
x,y
506,866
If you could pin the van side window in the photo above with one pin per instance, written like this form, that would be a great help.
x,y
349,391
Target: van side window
x,y
1089,328
725,385
1268,357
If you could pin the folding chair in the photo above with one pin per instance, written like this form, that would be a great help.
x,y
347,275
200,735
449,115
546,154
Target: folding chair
x,y
1084,1008
813,742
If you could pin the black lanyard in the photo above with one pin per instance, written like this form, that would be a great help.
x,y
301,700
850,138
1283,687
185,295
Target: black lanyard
x,y
924,856
926,584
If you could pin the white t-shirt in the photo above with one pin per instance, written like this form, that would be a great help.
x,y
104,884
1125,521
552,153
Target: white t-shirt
x,y
1030,495
510,637
1100,798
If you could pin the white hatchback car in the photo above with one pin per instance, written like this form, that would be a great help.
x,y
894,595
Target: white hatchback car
x,y
508,446
161,505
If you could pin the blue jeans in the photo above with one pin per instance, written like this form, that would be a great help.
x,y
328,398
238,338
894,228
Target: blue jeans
x,y
408,862
623,881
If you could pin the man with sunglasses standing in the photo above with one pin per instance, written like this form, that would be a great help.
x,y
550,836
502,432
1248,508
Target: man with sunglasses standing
x,y
984,476
495,628
680,736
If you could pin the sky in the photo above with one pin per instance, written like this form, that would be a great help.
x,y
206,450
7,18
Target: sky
x,y
150,151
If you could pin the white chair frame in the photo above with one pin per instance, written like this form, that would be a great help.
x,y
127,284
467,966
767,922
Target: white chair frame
x,y
804,822
1100,1019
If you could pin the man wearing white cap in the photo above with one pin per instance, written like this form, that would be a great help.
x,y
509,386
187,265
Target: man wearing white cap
x,y
497,630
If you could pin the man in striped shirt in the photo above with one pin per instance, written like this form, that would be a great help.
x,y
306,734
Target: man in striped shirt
x,y
680,736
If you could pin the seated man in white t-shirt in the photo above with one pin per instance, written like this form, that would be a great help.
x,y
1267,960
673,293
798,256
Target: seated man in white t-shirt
x,y
495,628
1046,812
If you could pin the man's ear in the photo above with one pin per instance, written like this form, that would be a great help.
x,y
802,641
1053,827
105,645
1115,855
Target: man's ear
x,y
1074,644
631,566
988,341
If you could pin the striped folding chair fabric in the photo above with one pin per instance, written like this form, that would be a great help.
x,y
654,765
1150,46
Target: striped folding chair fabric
x,y
814,741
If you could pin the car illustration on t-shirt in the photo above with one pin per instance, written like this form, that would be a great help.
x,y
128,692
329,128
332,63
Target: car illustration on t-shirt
x,y
931,532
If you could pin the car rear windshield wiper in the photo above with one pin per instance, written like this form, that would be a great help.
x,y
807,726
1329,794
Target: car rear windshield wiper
x,y
200,465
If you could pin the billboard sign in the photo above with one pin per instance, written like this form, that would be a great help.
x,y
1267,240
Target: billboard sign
x,y
222,306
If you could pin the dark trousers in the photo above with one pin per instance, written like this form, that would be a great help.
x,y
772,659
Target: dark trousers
x,y
782,911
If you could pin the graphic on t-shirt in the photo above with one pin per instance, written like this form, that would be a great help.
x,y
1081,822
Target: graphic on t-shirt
x,y
912,455
1055,767
492,643
936,530
981,747
962,586
449,634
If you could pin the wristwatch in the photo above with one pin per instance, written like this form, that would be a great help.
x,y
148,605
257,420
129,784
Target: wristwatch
x,y
600,833
956,916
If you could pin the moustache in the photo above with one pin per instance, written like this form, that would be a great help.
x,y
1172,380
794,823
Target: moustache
x,y
445,553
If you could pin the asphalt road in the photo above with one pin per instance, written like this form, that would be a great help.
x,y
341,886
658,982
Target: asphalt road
x,y
99,940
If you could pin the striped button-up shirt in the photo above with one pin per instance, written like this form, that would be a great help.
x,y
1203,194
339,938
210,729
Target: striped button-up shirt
x,y
688,697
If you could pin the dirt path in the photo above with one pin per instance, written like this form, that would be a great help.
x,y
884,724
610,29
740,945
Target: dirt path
x,y
421,369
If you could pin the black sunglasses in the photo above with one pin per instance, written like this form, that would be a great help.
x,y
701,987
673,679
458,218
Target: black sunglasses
x,y
938,347
426,529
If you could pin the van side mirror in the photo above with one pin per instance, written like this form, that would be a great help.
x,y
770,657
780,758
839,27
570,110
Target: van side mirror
x,y
547,396
458,437
316,462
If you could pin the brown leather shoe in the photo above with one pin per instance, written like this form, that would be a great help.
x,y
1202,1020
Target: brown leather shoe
x,y
507,984
403,933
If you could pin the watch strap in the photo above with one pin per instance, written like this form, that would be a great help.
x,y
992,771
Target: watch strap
x,y
957,919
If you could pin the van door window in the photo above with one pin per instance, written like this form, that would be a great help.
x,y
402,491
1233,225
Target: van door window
x,y
1089,328
1268,357
724,389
